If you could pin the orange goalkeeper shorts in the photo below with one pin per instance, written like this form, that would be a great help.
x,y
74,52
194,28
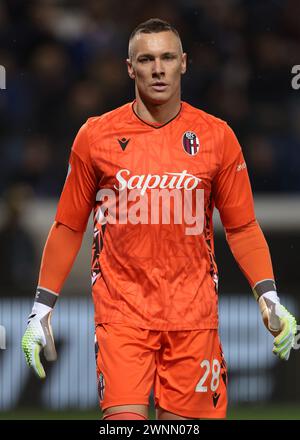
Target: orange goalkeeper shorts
x,y
186,369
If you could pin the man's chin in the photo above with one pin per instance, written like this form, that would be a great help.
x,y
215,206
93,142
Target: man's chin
x,y
158,98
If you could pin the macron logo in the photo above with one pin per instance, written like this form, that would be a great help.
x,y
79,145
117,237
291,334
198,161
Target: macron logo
x,y
123,143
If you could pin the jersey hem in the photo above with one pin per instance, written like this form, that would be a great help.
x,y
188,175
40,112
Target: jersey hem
x,y
166,327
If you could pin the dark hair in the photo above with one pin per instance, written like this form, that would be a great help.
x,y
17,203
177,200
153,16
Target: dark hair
x,y
154,25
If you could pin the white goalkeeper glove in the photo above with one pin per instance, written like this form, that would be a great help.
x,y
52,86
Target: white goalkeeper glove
x,y
279,322
38,336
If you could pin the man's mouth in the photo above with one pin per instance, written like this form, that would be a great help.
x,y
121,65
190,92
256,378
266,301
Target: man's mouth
x,y
159,86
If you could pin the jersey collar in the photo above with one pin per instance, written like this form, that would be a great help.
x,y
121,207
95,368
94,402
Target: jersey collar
x,y
153,124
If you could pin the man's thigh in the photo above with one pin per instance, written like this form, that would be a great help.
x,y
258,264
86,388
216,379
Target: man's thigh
x,y
191,378
125,358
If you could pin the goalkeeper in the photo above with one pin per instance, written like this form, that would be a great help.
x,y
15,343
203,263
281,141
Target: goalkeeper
x,y
155,286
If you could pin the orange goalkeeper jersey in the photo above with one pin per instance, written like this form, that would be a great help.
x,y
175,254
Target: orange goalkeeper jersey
x,y
153,189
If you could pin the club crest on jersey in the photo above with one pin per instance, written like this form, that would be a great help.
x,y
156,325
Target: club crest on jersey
x,y
190,143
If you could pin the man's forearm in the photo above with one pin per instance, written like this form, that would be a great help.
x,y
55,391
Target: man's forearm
x,y
60,251
59,255
251,252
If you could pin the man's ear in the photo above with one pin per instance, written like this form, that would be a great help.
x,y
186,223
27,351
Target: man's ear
x,y
183,63
130,69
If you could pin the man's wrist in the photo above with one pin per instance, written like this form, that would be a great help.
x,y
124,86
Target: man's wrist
x,y
263,287
44,302
45,296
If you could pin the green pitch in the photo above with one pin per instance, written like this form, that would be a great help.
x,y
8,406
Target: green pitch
x,y
242,412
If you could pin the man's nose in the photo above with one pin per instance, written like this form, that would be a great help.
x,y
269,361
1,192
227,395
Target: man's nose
x,y
158,68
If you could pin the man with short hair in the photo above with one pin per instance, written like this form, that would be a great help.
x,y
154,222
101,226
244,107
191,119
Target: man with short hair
x,y
152,171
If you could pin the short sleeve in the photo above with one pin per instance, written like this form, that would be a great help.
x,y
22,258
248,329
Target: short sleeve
x,y
79,192
231,186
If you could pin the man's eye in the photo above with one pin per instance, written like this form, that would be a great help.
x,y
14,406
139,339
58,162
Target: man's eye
x,y
143,60
169,57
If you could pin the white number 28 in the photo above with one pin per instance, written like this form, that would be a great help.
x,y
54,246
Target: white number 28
x,y
215,379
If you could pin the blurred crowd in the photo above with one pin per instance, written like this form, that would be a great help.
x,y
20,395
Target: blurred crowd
x,y
65,62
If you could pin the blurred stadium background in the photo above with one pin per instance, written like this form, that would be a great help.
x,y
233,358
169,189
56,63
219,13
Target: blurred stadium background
x,y
64,62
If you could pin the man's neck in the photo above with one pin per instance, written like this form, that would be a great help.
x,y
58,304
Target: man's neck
x,y
157,113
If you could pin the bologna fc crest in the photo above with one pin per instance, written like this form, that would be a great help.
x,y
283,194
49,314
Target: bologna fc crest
x,y
190,143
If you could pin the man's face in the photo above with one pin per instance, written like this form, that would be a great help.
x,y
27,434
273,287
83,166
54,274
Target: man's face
x,y
156,64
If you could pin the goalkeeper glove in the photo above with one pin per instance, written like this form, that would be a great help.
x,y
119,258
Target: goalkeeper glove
x,y
38,334
279,322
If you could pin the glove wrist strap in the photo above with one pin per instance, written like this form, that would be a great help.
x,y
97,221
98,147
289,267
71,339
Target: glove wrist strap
x,y
44,302
263,287
46,297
